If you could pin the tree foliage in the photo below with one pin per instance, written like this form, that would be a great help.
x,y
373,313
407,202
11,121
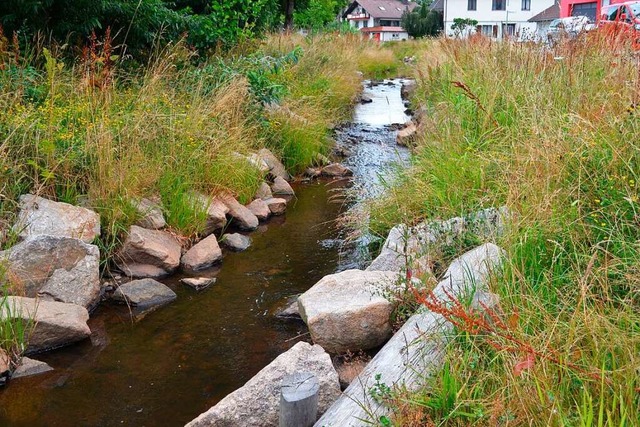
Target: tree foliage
x,y
461,25
422,21
137,23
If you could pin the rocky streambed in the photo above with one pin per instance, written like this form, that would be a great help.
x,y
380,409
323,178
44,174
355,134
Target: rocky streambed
x,y
168,366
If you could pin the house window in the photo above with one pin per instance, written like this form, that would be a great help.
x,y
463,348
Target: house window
x,y
471,4
486,30
365,24
499,5
585,9
381,8
395,36
509,30
526,4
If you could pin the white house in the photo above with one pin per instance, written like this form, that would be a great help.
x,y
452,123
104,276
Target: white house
x,y
496,18
379,19
544,19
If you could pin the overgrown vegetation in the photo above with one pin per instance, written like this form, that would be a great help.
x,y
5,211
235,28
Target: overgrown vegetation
x,y
95,133
553,135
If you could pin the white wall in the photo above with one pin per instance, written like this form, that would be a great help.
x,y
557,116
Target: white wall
x,y
387,37
486,16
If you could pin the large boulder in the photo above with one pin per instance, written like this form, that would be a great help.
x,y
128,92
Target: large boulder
x,y
256,404
148,253
54,268
49,324
150,213
418,348
202,255
144,294
241,215
276,168
281,187
40,216
260,209
347,312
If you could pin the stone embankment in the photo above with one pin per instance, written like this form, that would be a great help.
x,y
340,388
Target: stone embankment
x,y
351,311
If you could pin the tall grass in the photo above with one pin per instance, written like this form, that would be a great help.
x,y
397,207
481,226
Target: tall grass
x,y
553,135
94,132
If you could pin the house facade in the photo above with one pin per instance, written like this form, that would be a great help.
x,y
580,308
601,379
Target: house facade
x,y
544,19
379,19
496,18
588,8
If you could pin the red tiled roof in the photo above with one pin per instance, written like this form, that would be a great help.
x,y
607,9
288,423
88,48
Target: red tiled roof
x,y
393,9
549,14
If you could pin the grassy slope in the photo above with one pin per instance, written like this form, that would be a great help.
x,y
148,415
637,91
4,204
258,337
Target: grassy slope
x,y
92,131
551,135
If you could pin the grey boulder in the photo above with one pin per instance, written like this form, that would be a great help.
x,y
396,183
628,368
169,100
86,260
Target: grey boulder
x,y
276,168
281,187
241,215
236,241
202,255
144,294
50,324
260,209
150,213
149,253
347,312
40,216
198,283
256,404
54,268
29,367
336,170
276,205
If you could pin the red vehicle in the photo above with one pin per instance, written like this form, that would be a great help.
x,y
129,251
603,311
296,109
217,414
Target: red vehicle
x,y
621,21
621,14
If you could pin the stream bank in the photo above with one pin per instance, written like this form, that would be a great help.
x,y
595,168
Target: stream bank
x,y
182,359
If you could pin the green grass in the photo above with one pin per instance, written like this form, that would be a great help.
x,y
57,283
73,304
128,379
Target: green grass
x,y
550,135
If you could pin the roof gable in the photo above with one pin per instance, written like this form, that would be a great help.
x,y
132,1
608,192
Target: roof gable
x,y
382,9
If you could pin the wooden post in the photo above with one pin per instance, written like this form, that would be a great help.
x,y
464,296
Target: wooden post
x,y
299,400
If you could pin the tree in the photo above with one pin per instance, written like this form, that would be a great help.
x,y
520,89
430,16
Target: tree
x,y
317,14
462,25
423,21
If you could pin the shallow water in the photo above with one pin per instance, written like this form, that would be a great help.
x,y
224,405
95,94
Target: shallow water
x,y
178,361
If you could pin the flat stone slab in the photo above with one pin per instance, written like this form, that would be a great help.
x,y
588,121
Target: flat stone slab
x,y
236,241
148,253
202,255
55,268
198,283
346,312
418,348
40,216
52,324
29,367
256,404
144,294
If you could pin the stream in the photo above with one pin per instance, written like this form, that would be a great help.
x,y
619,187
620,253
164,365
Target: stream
x,y
175,363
